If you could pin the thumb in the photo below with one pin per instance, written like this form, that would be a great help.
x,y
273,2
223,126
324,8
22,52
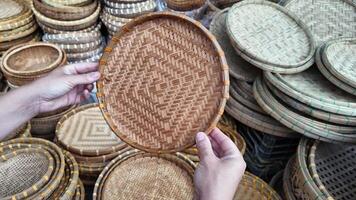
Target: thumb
x,y
81,79
205,149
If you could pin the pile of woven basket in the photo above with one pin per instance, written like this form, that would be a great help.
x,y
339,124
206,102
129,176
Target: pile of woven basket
x,y
86,135
38,169
116,14
72,25
17,24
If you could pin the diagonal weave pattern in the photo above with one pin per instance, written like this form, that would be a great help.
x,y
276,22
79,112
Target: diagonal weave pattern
x,y
164,79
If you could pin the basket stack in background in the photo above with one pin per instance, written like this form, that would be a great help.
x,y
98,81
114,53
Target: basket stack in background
x,y
192,8
38,169
25,63
86,135
116,14
17,24
72,25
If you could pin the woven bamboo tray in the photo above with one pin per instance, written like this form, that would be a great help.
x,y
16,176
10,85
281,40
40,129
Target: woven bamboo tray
x,y
49,30
72,57
252,187
286,46
73,38
133,11
332,168
306,126
287,185
125,5
339,58
80,48
12,11
239,68
151,91
185,5
103,158
30,38
132,178
65,13
45,146
80,191
313,89
326,19
84,131
69,25
22,32
33,59
238,94
63,3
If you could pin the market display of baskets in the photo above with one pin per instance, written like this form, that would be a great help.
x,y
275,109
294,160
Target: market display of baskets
x,y
84,133
17,24
36,169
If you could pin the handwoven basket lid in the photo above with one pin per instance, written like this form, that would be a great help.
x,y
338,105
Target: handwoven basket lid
x,y
313,89
326,19
335,167
239,68
148,177
164,78
10,9
84,131
340,59
273,36
33,58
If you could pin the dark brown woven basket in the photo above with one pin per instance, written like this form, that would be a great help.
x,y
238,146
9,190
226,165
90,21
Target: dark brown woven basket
x,y
185,5
173,82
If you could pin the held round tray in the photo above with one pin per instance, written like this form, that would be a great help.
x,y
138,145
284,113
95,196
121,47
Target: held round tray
x,y
132,177
168,83
33,59
85,132
239,68
326,19
185,5
273,39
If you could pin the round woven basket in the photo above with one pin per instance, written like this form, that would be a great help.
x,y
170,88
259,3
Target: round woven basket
x,y
13,12
72,38
132,178
174,104
30,38
85,132
273,40
64,3
185,5
150,6
66,13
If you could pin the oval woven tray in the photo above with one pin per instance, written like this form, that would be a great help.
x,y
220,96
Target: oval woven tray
x,y
84,131
312,88
168,172
339,58
239,68
274,39
306,126
159,100
326,19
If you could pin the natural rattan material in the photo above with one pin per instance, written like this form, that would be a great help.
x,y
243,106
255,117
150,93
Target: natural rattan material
x,y
326,19
239,68
273,39
185,5
141,176
168,83
84,131
287,185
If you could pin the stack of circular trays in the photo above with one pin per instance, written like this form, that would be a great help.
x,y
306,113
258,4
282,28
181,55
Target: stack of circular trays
x,y
192,152
22,131
17,24
38,169
270,37
336,60
185,5
326,19
309,104
321,171
72,25
84,132
116,14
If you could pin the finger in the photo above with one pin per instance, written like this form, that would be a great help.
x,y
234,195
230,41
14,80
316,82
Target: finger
x,y
80,68
82,97
81,79
204,147
228,148
216,147
89,87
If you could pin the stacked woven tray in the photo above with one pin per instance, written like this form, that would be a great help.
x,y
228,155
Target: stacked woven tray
x,y
185,5
84,132
195,13
266,154
38,169
321,171
309,104
17,24
116,14
73,26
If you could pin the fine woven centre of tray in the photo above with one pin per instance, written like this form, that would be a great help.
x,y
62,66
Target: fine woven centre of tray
x,y
162,83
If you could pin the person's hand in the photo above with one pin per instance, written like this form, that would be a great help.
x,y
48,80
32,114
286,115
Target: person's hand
x,y
64,86
220,169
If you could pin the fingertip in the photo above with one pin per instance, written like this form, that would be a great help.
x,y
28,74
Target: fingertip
x,y
200,137
94,76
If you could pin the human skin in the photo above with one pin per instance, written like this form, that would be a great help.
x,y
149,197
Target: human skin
x,y
62,87
220,169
